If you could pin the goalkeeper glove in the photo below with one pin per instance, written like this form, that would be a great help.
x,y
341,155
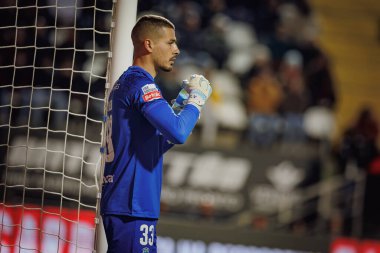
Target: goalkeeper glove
x,y
199,90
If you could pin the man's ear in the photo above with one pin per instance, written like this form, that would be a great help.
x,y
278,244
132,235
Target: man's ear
x,y
148,44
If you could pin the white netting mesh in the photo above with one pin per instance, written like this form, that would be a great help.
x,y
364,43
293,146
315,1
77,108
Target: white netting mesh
x,y
53,59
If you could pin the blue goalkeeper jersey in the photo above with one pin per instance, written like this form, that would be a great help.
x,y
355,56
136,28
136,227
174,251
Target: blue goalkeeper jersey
x,y
141,127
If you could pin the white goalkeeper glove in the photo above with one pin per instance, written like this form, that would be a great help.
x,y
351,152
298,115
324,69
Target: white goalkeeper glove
x,y
199,90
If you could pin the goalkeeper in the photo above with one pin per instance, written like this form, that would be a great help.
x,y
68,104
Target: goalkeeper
x,y
141,127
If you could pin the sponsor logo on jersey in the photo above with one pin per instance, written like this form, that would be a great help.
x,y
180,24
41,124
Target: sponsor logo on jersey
x,y
152,96
145,250
150,92
149,88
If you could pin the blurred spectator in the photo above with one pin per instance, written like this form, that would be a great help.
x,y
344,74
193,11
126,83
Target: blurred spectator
x,y
359,141
265,18
359,146
188,27
212,9
295,96
213,41
279,43
318,78
264,98
291,20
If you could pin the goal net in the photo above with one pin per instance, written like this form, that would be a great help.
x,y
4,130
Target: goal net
x,y
53,65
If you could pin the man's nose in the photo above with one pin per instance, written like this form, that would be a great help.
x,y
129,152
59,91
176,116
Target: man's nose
x,y
177,51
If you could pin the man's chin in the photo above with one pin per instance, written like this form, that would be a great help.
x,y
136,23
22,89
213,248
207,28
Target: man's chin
x,y
167,69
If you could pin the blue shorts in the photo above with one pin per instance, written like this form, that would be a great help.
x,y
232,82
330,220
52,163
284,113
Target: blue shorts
x,y
130,234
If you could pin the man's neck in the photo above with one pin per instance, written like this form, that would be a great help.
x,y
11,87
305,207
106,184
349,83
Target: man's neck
x,y
146,64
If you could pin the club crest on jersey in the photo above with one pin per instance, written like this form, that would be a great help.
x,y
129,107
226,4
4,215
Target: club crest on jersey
x,y
150,92
145,250
108,179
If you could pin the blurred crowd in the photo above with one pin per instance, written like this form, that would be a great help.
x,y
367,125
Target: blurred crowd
x,y
262,58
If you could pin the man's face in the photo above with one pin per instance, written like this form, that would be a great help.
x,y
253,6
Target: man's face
x,y
165,50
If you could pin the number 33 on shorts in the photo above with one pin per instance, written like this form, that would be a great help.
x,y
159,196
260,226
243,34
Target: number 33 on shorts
x,y
148,235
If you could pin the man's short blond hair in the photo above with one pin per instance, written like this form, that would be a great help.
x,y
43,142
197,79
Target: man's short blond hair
x,y
149,26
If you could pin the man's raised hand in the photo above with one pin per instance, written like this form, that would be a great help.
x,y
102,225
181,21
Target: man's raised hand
x,y
199,90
